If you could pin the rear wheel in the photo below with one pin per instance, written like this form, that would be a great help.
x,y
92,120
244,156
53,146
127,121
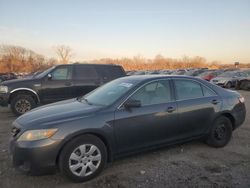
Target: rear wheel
x,y
220,133
83,158
21,104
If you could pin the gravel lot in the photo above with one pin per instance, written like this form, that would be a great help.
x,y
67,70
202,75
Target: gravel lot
x,y
188,165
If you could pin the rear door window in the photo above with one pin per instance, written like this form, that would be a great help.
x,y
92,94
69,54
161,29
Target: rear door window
x,y
186,89
82,72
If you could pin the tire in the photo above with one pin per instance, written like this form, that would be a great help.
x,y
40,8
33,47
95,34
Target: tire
x,y
21,104
220,133
81,161
228,85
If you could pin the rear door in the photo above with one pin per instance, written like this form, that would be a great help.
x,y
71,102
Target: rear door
x,y
197,105
85,79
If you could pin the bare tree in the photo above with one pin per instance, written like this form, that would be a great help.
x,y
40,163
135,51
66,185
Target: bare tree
x,y
64,53
19,59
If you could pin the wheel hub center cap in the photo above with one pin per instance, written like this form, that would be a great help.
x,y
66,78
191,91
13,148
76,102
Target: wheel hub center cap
x,y
84,160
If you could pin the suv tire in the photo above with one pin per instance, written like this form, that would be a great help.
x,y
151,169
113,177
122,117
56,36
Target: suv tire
x,y
22,103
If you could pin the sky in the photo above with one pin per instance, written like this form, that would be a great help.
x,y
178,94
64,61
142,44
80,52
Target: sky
x,y
214,29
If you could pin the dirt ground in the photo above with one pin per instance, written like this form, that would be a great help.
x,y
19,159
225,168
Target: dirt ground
x,y
188,165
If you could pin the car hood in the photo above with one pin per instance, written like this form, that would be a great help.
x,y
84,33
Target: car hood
x,y
56,113
17,81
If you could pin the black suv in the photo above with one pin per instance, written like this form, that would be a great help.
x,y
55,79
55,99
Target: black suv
x,y
55,84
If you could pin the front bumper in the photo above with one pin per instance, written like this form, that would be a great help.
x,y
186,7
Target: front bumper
x,y
4,99
36,157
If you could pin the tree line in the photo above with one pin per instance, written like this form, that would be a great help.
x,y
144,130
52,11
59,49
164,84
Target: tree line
x,y
18,59
21,60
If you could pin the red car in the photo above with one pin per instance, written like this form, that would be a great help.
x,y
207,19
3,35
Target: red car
x,y
208,75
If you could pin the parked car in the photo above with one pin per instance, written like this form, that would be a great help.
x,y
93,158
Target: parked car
x,y
139,73
244,83
229,79
195,72
208,75
127,115
179,72
55,84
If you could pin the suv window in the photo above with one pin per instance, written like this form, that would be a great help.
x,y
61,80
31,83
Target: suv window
x,y
110,72
153,93
85,72
62,73
186,89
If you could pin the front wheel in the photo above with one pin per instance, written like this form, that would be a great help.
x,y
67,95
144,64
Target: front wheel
x,y
83,158
220,133
21,104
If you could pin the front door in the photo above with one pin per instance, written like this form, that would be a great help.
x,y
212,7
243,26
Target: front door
x,y
57,85
152,123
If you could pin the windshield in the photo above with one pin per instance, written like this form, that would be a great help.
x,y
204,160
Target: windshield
x,y
44,73
110,92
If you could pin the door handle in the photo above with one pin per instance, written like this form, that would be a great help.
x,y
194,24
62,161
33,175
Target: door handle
x,y
171,109
215,101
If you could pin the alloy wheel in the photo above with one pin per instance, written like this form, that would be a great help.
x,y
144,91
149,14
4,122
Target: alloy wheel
x,y
22,106
85,160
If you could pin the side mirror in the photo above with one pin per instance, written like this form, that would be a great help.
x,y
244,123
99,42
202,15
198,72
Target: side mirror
x,y
49,76
132,104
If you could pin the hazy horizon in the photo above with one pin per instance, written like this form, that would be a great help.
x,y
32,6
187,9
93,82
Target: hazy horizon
x,y
215,30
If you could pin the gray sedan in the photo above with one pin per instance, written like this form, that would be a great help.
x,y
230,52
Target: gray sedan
x,y
127,115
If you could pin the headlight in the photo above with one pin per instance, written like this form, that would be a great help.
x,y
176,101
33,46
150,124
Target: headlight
x,y
3,89
241,99
32,135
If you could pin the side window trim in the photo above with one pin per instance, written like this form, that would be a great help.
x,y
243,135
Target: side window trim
x,y
194,81
131,94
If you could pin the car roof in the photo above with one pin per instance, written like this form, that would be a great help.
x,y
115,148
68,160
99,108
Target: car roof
x,y
155,77
95,64
92,64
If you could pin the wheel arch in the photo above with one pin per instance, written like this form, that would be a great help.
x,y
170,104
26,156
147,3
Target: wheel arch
x,y
26,91
229,116
96,134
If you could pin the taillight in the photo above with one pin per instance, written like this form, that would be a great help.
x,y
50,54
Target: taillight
x,y
241,99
